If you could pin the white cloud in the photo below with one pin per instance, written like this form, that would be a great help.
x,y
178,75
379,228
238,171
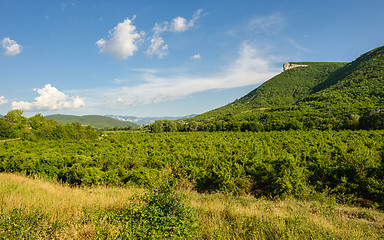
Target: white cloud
x,y
3,100
196,57
158,45
50,98
11,47
252,66
123,40
180,24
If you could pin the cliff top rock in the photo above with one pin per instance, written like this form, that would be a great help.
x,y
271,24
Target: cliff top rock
x,y
288,66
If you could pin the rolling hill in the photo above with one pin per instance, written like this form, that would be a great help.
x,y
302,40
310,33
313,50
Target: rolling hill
x,y
321,95
96,121
146,120
356,87
283,90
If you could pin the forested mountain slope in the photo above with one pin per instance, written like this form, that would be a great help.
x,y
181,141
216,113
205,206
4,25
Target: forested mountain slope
x,y
96,121
357,87
321,96
282,90
291,85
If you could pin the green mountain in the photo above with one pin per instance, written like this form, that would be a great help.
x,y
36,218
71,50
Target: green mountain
x,y
291,85
320,95
96,121
357,86
283,90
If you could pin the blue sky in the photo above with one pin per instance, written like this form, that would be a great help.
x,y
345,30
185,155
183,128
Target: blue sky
x,y
167,58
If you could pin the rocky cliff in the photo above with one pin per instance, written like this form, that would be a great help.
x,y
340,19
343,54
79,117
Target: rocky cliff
x,y
288,66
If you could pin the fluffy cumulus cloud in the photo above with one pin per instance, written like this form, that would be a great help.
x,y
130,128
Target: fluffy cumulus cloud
x,y
122,41
178,24
11,47
50,98
252,66
3,100
158,46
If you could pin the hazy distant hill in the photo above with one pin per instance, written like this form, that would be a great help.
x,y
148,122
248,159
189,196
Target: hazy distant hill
x,y
1,116
96,121
322,95
146,120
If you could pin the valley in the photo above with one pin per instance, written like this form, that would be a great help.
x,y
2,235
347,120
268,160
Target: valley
x,y
300,157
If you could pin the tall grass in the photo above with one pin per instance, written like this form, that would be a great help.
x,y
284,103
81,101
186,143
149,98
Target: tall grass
x,y
39,209
60,207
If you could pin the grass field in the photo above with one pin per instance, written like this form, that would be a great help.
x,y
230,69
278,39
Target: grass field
x,y
43,209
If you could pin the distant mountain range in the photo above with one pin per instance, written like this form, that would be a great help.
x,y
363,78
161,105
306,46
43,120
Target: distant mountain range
x,y
109,121
96,121
145,120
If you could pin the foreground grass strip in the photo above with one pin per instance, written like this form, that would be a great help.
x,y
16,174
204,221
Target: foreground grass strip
x,y
37,209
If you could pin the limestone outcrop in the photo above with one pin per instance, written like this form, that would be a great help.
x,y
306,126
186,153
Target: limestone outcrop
x,y
288,66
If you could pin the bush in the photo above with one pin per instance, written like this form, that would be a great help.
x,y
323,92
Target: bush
x,y
162,214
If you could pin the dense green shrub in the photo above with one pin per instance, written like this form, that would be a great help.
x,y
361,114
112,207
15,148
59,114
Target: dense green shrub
x,y
161,213
345,164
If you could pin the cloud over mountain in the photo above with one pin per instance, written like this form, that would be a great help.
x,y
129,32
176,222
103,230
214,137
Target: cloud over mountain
x,y
252,66
50,98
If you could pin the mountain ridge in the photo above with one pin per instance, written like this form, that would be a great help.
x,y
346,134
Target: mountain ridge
x,y
281,90
146,120
322,95
97,121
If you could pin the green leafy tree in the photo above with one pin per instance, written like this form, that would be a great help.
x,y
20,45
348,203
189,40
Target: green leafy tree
x,y
6,129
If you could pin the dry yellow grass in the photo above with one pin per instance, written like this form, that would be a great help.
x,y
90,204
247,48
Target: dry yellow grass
x,y
62,203
21,192
218,216
294,217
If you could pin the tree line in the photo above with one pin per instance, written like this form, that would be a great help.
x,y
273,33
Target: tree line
x,y
16,125
282,119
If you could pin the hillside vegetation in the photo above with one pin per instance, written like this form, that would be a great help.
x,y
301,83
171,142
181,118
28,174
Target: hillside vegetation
x,y
96,121
346,165
16,126
285,89
275,164
320,96
36,209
